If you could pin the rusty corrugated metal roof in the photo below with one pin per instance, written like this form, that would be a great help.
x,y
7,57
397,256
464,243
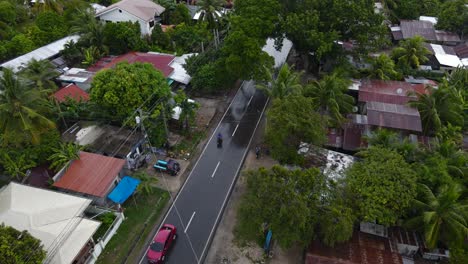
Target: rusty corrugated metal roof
x,y
159,61
393,116
390,92
361,249
92,174
412,28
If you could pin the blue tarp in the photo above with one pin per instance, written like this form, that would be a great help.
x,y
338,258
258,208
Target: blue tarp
x,y
124,189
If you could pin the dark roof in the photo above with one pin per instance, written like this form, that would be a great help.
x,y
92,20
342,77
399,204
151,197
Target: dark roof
x,y
396,32
361,249
92,174
393,116
335,138
445,36
104,139
412,28
391,92
462,50
447,49
71,91
159,61
402,236
354,131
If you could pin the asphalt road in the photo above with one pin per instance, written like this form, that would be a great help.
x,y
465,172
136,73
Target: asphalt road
x,y
200,202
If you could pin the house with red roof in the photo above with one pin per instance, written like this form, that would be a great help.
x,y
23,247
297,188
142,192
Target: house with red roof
x,y
71,91
169,65
92,176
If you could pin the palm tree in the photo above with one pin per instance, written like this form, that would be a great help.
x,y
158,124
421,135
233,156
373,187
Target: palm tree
x,y
41,74
91,55
439,107
211,13
90,30
64,154
443,217
189,110
285,83
329,96
147,183
383,68
411,52
22,110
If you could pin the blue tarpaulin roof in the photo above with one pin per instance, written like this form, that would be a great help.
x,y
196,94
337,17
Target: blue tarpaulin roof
x,y
124,189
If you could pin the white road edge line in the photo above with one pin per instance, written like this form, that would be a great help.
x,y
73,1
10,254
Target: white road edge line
x,y
196,163
233,181
251,97
190,221
235,129
214,172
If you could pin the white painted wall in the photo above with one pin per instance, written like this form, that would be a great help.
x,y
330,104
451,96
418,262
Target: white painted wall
x,y
116,16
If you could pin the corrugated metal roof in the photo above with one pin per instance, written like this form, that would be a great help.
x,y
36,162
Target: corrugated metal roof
x,y
42,53
160,61
92,174
443,49
462,50
180,74
393,116
71,91
446,36
360,249
391,92
412,28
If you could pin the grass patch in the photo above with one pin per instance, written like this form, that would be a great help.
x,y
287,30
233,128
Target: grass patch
x,y
106,221
188,144
147,211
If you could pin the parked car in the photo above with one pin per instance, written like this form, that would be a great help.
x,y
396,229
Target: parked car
x,y
171,166
161,244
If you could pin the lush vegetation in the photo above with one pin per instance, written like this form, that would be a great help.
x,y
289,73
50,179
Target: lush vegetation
x,y
17,247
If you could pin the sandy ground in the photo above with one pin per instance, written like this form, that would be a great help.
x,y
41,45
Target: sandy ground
x,y
223,248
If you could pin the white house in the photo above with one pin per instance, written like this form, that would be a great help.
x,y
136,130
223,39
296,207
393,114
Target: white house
x,y
145,12
56,219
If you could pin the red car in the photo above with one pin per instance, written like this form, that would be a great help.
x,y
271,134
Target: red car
x,y
161,244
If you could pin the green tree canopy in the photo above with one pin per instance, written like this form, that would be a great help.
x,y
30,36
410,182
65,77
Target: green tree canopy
x,y
453,16
336,224
123,37
52,24
121,90
291,121
286,201
17,247
181,14
7,13
382,185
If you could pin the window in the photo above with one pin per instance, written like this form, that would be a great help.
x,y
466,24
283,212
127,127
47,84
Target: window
x,y
151,24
